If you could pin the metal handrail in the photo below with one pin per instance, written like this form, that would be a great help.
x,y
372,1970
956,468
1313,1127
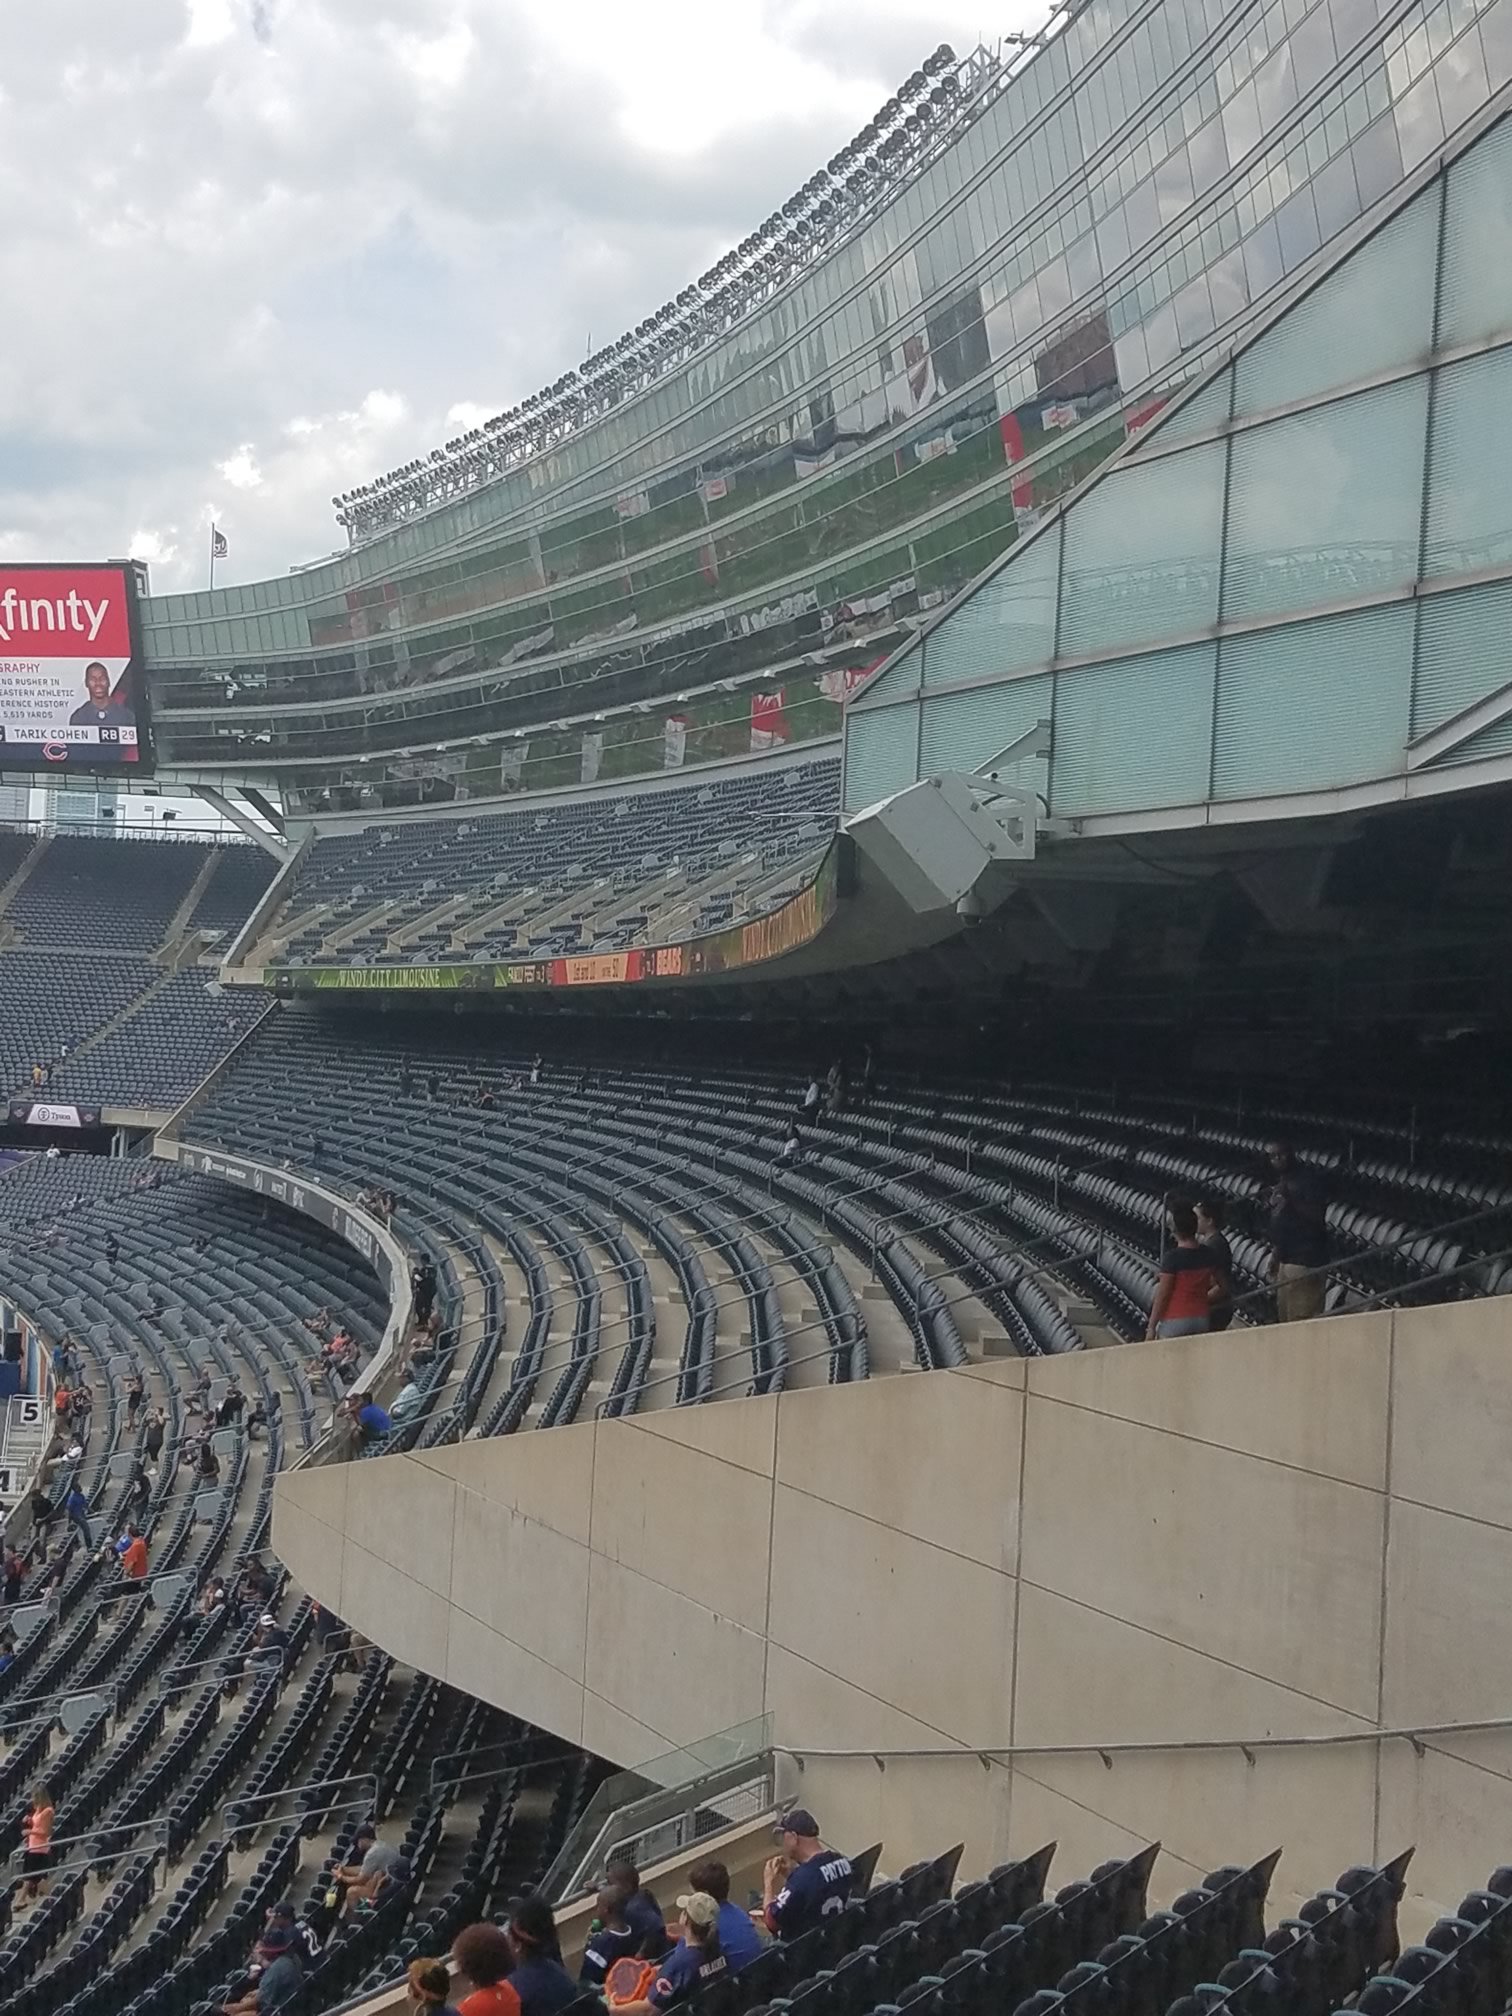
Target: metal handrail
x,y
1417,1733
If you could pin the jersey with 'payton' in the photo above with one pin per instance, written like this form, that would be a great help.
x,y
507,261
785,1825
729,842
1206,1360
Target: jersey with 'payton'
x,y
816,1889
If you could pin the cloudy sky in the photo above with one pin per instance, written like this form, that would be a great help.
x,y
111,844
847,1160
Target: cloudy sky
x,y
258,251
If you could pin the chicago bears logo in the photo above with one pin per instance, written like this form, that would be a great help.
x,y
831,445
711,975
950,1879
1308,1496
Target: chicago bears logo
x,y
55,752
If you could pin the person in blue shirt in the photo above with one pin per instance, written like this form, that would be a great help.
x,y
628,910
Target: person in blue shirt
x,y
739,1941
612,1938
372,1419
807,1882
76,1505
539,1979
642,1912
692,1964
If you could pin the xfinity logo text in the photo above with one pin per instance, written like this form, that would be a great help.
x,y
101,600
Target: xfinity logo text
x,y
72,613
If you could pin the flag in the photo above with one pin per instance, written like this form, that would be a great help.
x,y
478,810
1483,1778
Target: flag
x,y
218,546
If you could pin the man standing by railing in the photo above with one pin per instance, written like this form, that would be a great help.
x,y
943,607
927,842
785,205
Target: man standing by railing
x,y
1298,1232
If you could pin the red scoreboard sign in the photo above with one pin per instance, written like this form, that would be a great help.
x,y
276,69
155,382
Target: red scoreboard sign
x,y
70,665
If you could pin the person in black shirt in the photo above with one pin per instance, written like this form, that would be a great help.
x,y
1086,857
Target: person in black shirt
x,y
1210,1216
1298,1206
423,1289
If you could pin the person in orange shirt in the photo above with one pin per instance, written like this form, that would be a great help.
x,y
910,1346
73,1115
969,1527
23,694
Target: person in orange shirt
x,y
37,1858
483,1954
134,1560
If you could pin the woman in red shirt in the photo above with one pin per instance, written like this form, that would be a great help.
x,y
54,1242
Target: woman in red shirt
x,y
1190,1281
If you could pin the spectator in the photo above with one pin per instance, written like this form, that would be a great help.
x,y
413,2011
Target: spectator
x,y
739,1941
642,1912
134,1560
1188,1282
373,1421
792,1145
152,1441
539,1979
229,1413
211,1598
136,1393
423,1289
112,1248
8,1648
280,1973
256,1590
306,1945
364,1876
14,1571
433,1084
76,1505
485,1957
811,1100
36,1857
1210,1216
807,1882
1298,1207
43,1513
694,1962
406,1403
430,1988
611,1938
206,1462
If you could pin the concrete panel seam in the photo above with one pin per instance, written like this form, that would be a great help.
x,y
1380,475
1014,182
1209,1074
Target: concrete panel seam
x,y
1202,1442
898,1532
1201,1652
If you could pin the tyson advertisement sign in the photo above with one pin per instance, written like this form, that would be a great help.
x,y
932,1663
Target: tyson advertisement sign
x,y
70,690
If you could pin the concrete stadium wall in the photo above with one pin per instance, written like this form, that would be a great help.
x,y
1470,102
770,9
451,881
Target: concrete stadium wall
x,y
1294,1533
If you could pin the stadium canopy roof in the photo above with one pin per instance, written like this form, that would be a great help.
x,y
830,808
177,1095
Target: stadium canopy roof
x,y
1291,593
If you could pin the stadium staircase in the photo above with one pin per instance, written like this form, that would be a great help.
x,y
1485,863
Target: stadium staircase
x,y
31,856
179,943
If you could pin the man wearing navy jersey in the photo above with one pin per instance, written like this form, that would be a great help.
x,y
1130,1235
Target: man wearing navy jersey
x,y
807,1882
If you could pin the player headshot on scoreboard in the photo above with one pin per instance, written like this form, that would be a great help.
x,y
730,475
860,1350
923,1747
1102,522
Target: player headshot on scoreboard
x,y
100,710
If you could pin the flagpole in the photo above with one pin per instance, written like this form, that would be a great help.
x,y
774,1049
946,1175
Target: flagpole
x,y
212,558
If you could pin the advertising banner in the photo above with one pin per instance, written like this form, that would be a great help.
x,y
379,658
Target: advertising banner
x,y
1012,432
674,741
593,754
49,1113
769,726
69,662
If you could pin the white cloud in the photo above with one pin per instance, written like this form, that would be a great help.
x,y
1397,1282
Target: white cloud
x,y
241,471
267,251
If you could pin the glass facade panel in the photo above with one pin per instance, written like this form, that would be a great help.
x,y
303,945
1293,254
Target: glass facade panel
x,y
1462,652
1205,410
1373,312
881,754
961,730
1326,504
1281,727
1469,520
1142,553
1134,735
1476,283
1007,625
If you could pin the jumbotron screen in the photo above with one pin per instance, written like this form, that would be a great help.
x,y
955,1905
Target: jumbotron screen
x,y
70,669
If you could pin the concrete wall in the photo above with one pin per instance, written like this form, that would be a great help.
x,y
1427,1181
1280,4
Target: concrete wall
x,y
1290,1533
